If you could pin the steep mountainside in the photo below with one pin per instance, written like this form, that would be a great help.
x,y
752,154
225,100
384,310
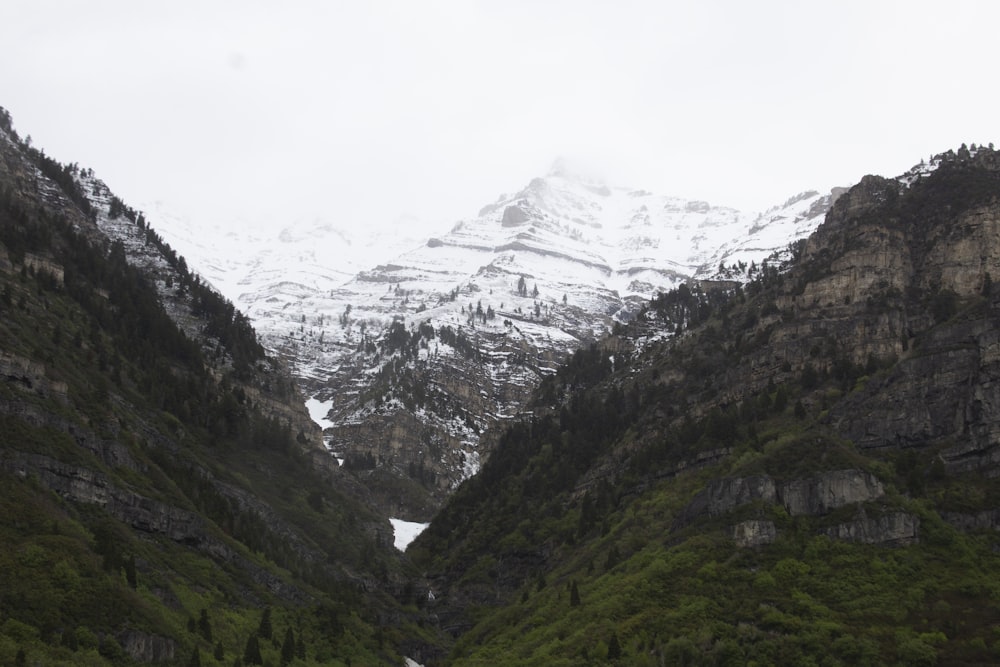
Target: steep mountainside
x,y
801,470
420,358
165,496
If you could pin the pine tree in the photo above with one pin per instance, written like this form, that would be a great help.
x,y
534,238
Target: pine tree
x,y
574,595
195,660
251,654
781,399
300,649
614,648
264,630
288,647
130,572
204,627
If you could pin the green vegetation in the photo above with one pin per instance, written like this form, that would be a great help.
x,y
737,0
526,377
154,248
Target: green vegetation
x,y
623,576
152,506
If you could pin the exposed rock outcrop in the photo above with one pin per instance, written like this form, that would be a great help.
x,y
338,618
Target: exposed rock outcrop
x,y
30,375
754,533
144,647
810,496
827,491
514,216
968,521
894,529
722,496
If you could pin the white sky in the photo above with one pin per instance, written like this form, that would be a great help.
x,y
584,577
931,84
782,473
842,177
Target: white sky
x,y
358,112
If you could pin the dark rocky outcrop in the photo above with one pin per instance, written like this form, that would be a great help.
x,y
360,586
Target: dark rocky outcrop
x,y
813,496
810,496
514,216
828,491
722,496
893,529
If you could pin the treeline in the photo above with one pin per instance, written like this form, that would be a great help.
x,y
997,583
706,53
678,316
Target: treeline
x,y
688,306
398,339
127,328
63,175
223,321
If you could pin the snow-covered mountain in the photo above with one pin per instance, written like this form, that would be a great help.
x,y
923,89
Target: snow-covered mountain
x,y
421,346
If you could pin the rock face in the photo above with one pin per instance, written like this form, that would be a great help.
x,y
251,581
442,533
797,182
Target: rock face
x,y
894,529
722,496
144,647
828,491
946,248
754,533
269,387
812,496
899,275
513,216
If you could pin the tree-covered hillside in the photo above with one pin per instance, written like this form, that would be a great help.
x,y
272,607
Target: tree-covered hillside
x,y
160,501
801,470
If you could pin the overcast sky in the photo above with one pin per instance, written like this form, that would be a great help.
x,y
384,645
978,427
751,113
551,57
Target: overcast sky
x,y
359,112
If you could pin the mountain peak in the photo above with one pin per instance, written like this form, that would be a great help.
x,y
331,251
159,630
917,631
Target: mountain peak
x,y
575,169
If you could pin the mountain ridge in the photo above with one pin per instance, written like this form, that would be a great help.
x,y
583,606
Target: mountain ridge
x,y
537,274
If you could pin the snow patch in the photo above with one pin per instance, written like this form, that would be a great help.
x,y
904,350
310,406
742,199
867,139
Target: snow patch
x,y
318,411
405,532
